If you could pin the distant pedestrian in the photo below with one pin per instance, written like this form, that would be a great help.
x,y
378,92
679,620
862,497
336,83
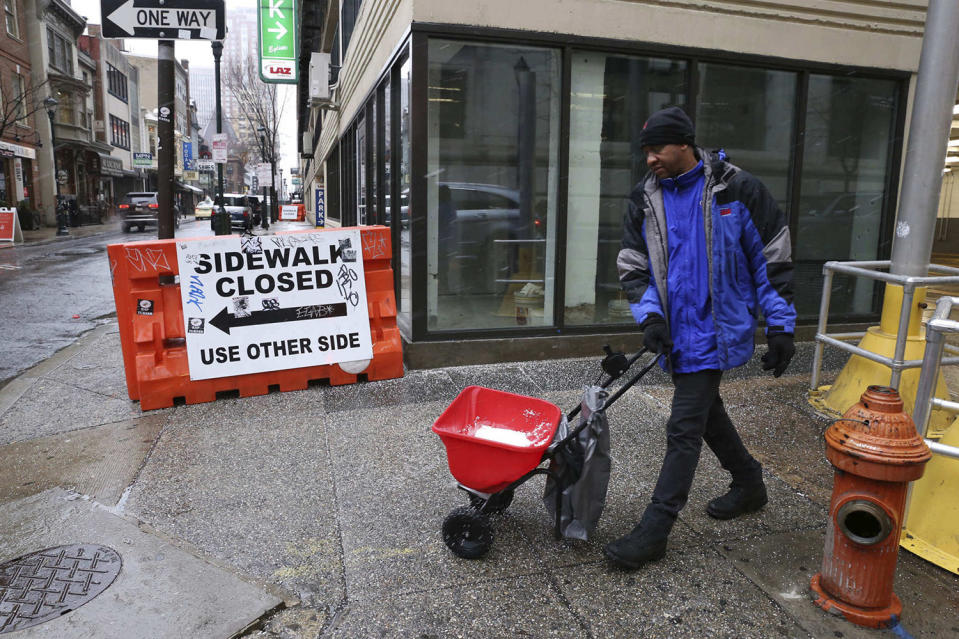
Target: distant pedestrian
x,y
705,248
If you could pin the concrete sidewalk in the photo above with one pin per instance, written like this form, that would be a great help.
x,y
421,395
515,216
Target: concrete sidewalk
x,y
48,234
331,501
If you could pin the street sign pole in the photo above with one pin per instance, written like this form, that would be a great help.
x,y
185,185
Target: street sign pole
x,y
221,219
166,95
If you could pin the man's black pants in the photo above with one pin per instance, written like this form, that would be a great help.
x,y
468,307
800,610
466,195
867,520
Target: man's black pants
x,y
697,415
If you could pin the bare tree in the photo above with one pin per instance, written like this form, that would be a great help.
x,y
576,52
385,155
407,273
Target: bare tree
x,y
19,100
260,104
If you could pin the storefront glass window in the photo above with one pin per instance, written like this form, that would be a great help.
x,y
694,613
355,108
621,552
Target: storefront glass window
x,y
360,155
387,161
849,125
611,98
403,154
750,113
492,176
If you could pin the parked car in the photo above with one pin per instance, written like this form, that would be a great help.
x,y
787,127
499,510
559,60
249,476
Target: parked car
x,y
482,232
203,209
140,210
240,209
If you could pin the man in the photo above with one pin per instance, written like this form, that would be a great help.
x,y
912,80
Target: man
x,y
705,247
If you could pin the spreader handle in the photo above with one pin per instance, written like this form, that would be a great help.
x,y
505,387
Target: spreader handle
x,y
629,363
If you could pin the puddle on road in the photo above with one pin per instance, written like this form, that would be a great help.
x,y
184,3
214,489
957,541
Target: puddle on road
x,y
79,252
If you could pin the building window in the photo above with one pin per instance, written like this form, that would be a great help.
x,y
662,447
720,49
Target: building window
x,y
116,83
403,155
611,97
119,133
20,89
493,123
850,125
10,13
66,110
751,114
60,52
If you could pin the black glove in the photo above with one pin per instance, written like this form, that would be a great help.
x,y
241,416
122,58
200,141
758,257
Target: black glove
x,y
781,351
656,334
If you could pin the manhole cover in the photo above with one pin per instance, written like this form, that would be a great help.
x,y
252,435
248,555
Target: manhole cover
x,y
50,583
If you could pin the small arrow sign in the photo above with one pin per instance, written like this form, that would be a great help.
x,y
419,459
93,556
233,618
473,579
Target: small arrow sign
x,y
167,19
225,321
279,30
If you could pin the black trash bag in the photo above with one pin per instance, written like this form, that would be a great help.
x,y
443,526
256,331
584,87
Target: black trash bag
x,y
582,469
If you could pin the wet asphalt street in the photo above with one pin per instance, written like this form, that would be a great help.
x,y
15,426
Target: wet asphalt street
x,y
52,293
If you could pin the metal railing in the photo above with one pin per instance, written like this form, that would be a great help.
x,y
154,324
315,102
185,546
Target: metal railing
x,y
909,284
936,329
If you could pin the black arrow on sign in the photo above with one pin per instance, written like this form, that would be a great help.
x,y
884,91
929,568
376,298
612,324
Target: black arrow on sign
x,y
224,321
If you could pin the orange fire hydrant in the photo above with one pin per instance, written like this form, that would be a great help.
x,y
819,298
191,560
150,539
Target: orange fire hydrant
x,y
876,452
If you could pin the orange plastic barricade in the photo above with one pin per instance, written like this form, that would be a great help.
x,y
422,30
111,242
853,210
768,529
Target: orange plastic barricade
x,y
150,315
293,212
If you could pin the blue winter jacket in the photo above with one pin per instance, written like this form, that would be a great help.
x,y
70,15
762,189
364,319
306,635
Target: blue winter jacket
x,y
711,298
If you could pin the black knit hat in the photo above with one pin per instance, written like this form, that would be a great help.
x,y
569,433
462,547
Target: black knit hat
x,y
668,126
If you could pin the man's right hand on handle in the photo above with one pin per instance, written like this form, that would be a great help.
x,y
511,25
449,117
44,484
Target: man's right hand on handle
x,y
656,334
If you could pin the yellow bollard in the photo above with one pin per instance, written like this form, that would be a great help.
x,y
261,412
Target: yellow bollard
x,y
860,373
932,516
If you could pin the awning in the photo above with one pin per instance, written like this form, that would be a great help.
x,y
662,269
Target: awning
x,y
188,187
110,165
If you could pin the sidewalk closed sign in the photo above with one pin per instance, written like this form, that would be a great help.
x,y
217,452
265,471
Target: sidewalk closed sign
x,y
273,302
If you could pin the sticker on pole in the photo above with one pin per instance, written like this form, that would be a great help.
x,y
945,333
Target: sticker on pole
x,y
273,302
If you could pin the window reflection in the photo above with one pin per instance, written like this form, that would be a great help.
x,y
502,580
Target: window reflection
x,y
611,98
750,114
849,123
403,155
492,176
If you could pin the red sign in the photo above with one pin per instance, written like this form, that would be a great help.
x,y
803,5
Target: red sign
x,y
8,224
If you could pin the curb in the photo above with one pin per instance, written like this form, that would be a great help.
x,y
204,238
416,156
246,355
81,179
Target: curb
x,y
15,388
52,240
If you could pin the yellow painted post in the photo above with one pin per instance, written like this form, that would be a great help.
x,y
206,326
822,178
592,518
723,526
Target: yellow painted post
x,y
860,373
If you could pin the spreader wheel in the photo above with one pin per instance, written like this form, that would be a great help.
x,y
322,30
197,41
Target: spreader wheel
x,y
498,502
468,533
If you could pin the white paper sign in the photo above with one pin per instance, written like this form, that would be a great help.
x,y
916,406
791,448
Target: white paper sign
x,y
273,302
220,148
289,212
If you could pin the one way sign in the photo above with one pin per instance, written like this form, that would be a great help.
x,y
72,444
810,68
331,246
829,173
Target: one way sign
x,y
164,19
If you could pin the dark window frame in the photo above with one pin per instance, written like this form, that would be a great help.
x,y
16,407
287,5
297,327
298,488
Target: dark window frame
x,y
60,51
119,132
117,84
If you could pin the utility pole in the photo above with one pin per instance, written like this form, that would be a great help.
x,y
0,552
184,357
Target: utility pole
x,y
936,87
274,204
166,96
51,105
221,219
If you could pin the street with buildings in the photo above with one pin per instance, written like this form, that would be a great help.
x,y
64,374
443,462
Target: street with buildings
x,y
472,162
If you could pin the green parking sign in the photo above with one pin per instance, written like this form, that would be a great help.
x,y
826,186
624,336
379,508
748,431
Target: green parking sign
x,y
277,22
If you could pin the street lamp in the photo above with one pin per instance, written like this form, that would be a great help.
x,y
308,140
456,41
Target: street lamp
x,y
50,103
220,220
264,216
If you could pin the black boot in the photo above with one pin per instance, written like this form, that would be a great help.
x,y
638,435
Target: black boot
x,y
739,500
642,545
